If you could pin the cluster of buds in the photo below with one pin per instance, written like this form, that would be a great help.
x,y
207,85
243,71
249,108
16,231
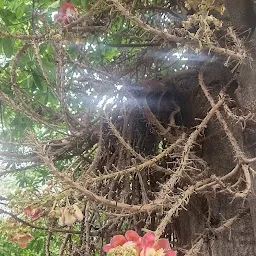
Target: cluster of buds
x,y
205,5
67,13
134,245
204,24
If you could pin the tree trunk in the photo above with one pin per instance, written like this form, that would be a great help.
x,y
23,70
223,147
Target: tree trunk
x,y
240,239
202,225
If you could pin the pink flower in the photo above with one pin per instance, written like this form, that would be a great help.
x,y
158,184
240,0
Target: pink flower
x,y
33,212
132,244
151,247
130,239
66,13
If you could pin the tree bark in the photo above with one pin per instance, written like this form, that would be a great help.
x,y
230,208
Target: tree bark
x,y
240,239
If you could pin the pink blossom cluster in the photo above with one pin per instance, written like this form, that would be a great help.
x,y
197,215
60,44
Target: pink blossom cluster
x,y
134,245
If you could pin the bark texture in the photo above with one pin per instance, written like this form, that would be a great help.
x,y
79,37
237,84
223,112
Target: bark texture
x,y
216,151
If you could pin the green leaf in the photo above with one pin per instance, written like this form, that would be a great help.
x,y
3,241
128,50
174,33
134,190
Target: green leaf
x,y
7,16
54,5
110,54
84,4
20,11
37,80
30,81
7,44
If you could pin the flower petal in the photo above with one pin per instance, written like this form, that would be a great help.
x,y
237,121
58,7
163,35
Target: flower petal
x,y
22,239
69,219
143,252
28,210
79,215
148,240
62,217
162,243
106,247
170,253
32,212
117,240
66,13
131,235
22,245
25,237
66,5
